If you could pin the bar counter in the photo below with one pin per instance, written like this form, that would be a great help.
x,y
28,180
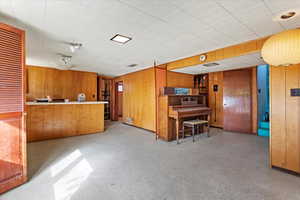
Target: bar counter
x,y
57,120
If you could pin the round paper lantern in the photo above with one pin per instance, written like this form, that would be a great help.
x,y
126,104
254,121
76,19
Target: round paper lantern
x,y
282,49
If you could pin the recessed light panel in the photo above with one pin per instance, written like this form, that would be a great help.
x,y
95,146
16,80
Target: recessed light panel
x,y
120,39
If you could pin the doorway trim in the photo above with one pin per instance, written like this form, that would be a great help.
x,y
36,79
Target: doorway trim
x,y
116,100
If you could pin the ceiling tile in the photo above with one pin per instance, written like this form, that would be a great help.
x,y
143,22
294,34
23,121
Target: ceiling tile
x,y
162,30
278,6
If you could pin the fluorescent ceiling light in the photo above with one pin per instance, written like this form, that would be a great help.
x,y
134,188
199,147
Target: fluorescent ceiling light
x,y
120,39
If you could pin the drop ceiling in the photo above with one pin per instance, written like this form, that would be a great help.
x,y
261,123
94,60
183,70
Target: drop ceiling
x,y
161,30
240,62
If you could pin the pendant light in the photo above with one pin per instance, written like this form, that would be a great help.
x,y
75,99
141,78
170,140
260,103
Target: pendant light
x,y
282,49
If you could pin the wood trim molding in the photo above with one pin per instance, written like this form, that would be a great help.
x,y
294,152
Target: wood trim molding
x,y
53,68
219,54
162,66
254,91
105,77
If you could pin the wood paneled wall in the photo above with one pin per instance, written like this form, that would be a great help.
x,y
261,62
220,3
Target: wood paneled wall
x,y
216,98
42,82
285,118
139,99
180,80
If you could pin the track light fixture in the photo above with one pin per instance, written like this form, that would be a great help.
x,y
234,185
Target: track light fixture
x,y
75,46
66,59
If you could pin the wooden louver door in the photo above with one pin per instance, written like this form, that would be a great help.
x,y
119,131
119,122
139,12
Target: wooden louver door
x,y
12,132
237,100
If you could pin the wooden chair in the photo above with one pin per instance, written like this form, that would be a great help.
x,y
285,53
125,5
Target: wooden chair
x,y
195,125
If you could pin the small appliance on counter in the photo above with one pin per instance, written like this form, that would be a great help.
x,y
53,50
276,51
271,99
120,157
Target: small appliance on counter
x,y
81,97
50,100
58,100
43,100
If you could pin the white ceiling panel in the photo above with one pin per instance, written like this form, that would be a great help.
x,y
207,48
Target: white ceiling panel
x,y
227,64
278,6
162,30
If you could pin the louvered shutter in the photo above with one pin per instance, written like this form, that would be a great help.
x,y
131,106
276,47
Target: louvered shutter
x,y
11,72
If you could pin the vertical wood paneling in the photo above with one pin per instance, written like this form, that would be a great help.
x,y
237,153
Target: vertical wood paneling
x,y
163,118
139,98
292,119
285,117
56,83
254,100
278,110
216,98
58,121
140,94
161,115
161,80
180,80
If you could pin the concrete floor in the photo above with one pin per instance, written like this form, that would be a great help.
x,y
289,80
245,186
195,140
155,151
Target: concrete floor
x,y
126,163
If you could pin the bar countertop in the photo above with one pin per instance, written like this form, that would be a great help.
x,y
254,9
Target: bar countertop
x,y
32,103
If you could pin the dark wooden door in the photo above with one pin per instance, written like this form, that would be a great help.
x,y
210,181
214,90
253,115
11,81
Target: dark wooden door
x,y
237,100
12,129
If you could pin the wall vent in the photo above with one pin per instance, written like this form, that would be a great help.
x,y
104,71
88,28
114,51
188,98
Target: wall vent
x,y
211,64
132,65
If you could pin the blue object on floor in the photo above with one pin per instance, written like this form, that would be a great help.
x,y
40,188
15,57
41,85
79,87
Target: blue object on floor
x,y
265,125
263,129
263,132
